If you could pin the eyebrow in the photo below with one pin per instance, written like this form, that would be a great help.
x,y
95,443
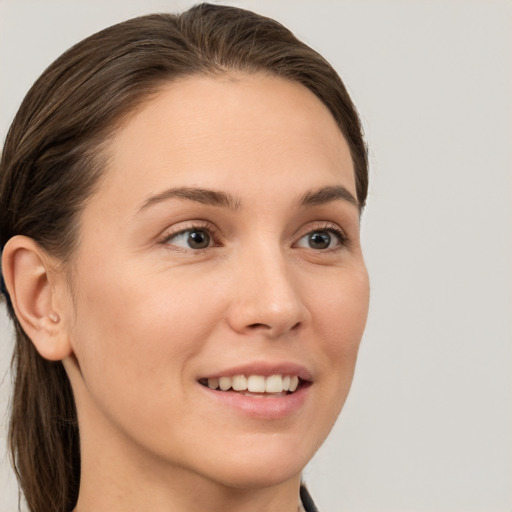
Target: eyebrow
x,y
328,194
199,195
217,198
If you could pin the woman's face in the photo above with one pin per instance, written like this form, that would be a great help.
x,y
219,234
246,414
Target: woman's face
x,y
223,241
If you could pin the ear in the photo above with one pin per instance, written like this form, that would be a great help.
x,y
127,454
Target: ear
x,y
31,279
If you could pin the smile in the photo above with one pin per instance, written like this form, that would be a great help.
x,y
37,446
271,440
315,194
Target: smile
x,y
276,385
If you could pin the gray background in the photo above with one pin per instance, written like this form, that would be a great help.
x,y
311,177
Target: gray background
x,y
428,424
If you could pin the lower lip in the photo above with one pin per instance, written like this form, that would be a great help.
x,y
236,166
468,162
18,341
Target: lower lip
x,y
264,407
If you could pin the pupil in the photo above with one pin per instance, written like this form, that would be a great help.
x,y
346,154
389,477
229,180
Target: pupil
x,y
199,240
320,240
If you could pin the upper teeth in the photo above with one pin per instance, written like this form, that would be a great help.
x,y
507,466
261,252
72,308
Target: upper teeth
x,y
256,383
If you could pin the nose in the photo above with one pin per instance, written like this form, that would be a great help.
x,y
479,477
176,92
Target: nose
x,y
267,299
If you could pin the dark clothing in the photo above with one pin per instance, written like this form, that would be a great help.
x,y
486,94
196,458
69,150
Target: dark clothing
x,y
307,502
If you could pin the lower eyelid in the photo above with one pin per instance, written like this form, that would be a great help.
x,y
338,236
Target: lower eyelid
x,y
330,228
212,232
339,237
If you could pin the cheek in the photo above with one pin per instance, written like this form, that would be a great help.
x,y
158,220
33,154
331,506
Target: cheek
x,y
339,318
136,343
342,308
138,334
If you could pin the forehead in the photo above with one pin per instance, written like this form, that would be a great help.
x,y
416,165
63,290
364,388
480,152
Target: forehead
x,y
237,129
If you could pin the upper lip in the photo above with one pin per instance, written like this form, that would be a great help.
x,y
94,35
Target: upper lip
x,y
266,369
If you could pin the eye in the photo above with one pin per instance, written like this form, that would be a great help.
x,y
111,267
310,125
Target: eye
x,y
321,239
193,238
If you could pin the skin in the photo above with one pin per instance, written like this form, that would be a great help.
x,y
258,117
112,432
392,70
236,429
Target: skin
x,y
148,315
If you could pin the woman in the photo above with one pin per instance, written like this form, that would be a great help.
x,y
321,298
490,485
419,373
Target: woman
x,y
180,201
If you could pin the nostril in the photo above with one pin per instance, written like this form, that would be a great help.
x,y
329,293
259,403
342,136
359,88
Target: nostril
x,y
262,326
258,326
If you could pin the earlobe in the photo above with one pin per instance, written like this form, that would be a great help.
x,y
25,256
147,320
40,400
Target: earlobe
x,y
28,272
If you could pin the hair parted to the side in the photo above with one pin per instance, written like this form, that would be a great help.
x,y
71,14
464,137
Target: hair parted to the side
x,y
52,162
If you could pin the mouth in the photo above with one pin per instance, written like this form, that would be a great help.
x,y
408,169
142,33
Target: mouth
x,y
256,385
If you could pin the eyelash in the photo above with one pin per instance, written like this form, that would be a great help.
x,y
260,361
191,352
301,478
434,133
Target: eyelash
x,y
196,226
216,237
330,228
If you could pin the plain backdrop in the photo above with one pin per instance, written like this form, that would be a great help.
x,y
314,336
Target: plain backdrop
x,y
428,424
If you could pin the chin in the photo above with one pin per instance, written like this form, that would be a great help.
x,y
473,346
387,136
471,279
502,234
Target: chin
x,y
257,476
270,461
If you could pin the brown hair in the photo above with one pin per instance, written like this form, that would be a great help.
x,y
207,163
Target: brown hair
x,y
52,161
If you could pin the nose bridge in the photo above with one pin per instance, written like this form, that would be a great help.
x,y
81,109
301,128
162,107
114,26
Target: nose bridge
x,y
268,298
